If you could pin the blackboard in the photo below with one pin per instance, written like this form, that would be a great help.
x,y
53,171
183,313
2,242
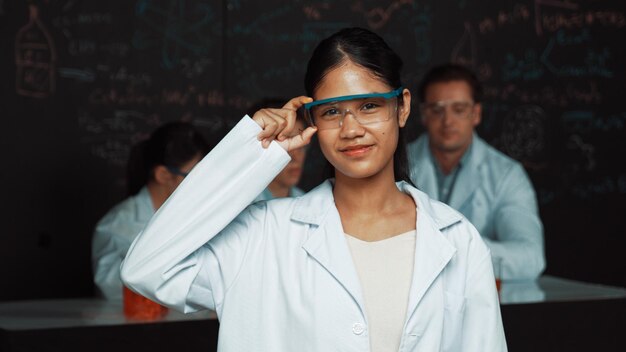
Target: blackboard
x,y
84,80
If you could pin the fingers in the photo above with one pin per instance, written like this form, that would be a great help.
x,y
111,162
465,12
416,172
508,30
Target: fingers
x,y
291,122
297,102
278,123
300,140
293,105
272,123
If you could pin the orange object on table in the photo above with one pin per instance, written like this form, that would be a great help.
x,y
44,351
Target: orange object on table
x,y
139,307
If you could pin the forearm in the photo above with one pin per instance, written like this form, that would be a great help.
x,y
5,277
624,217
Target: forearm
x,y
106,275
522,254
161,262
518,230
108,249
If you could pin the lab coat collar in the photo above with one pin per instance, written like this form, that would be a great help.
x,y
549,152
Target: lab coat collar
x,y
314,206
433,251
326,242
327,245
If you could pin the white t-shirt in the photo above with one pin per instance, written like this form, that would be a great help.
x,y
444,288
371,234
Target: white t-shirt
x,y
385,269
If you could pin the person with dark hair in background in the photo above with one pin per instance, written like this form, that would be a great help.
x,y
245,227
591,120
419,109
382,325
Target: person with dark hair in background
x,y
158,166
360,263
285,183
452,164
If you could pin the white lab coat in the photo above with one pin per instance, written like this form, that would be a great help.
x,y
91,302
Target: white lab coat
x,y
495,194
280,275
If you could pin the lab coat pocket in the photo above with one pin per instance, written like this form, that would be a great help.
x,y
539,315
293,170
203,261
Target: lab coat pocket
x,y
454,307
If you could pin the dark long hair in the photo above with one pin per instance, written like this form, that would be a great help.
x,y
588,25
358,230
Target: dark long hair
x,y
368,50
173,144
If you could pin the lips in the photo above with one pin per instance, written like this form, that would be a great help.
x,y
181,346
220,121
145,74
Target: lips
x,y
356,150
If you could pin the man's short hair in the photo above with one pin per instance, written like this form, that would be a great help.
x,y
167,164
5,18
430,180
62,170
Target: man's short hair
x,y
448,73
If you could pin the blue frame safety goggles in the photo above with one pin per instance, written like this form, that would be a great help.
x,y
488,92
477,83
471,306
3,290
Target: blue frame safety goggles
x,y
388,95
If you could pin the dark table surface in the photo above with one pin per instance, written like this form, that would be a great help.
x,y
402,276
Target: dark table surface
x,y
549,314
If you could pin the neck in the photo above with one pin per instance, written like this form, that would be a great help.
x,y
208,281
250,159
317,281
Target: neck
x,y
158,195
373,208
279,190
372,195
448,160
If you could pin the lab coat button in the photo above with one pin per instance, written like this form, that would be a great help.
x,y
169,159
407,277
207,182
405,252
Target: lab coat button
x,y
358,328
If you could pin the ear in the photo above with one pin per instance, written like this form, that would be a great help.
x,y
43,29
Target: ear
x,y
405,109
477,114
162,175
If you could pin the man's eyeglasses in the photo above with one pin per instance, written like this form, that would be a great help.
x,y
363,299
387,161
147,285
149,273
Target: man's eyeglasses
x,y
459,109
365,108
176,171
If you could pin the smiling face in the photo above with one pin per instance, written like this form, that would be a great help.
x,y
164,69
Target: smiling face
x,y
356,150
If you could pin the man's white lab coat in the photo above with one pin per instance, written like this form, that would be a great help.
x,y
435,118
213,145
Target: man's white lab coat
x,y
280,275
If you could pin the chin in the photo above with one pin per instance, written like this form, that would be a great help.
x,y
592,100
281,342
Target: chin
x,y
449,146
358,171
357,174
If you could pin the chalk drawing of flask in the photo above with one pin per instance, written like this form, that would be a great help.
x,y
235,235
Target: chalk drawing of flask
x,y
35,58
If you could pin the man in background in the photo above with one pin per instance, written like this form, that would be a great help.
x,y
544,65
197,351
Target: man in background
x,y
452,164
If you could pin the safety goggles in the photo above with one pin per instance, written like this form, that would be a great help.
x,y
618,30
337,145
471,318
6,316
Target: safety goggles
x,y
365,108
459,109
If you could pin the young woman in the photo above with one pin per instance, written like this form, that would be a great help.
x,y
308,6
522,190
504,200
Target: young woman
x,y
360,263
158,167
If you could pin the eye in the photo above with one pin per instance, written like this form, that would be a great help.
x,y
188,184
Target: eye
x,y
370,106
436,109
460,108
330,112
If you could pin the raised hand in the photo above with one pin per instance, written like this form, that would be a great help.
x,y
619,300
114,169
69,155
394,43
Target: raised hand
x,y
278,124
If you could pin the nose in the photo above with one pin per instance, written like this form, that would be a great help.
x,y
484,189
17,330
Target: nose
x,y
350,127
447,117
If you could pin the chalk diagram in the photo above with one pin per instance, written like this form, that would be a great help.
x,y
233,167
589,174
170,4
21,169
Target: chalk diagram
x,y
179,30
35,58
465,51
378,17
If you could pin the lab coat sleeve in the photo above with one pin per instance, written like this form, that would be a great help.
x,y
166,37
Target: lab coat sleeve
x,y
518,228
482,324
165,259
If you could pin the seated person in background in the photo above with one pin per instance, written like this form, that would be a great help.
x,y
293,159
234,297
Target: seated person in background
x,y
452,164
284,185
164,159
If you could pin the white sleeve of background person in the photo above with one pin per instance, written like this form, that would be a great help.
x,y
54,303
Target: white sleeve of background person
x,y
161,263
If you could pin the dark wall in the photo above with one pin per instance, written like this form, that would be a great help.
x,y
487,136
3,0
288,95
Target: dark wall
x,y
84,80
